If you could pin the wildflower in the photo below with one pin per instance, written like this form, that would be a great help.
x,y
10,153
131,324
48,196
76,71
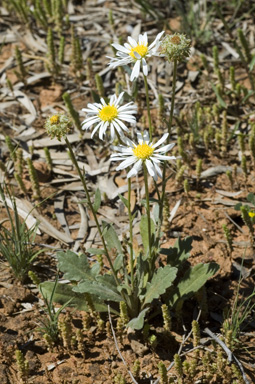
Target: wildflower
x,y
175,47
251,214
142,153
58,126
111,114
135,52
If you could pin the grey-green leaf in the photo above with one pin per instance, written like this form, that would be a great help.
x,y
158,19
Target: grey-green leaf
x,y
97,201
103,287
138,322
160,282
64,293
111,237
179,252
194,278
124,200
75,267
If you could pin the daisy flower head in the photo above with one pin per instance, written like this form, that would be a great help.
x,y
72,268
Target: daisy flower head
x,y
135,52
112,115
144,152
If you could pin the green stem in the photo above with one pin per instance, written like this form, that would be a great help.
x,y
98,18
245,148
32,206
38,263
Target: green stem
x,y
73,158
148,105
147,206
130,234
168,140
172,101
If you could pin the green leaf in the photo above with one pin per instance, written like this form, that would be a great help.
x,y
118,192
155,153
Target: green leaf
x,y
251,198
111,237
145,232
180,252
97,201
76,267
194,278
95,251
118,262
252,63
124,200
138,322
64,293
104,287
220,100
160,282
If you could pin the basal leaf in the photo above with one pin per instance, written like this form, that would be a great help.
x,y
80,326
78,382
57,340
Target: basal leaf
x,y
160,282
64,293
75,267
194,278
179,252
103,287
138,322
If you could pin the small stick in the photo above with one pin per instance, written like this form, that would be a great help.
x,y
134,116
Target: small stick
x,y
117,347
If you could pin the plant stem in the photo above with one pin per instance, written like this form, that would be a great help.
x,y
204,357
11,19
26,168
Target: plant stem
x,y
168,140
147,206
130,234
82,178
172,101
148,105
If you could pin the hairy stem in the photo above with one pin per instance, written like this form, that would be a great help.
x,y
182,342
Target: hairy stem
x,y
130,234
148,105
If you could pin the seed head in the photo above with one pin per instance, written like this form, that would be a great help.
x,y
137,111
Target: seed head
x,y
175,47
58,126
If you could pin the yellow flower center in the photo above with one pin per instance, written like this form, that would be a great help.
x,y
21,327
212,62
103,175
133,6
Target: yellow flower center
x,y
251,214
141,49
54,119
143,151
108,113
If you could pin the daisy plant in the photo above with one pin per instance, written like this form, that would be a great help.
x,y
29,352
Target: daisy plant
x,y
137,279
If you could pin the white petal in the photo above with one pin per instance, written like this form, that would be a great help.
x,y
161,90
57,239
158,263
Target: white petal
x,y
137,55
145,67
163,138
135,71
134,171
162,157
158,170
156,40
126,163
119,99
151,169
96,128
120,48
132,42
165,149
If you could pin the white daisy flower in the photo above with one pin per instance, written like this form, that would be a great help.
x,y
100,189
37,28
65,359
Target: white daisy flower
x,y
135,52
143,152
109,115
